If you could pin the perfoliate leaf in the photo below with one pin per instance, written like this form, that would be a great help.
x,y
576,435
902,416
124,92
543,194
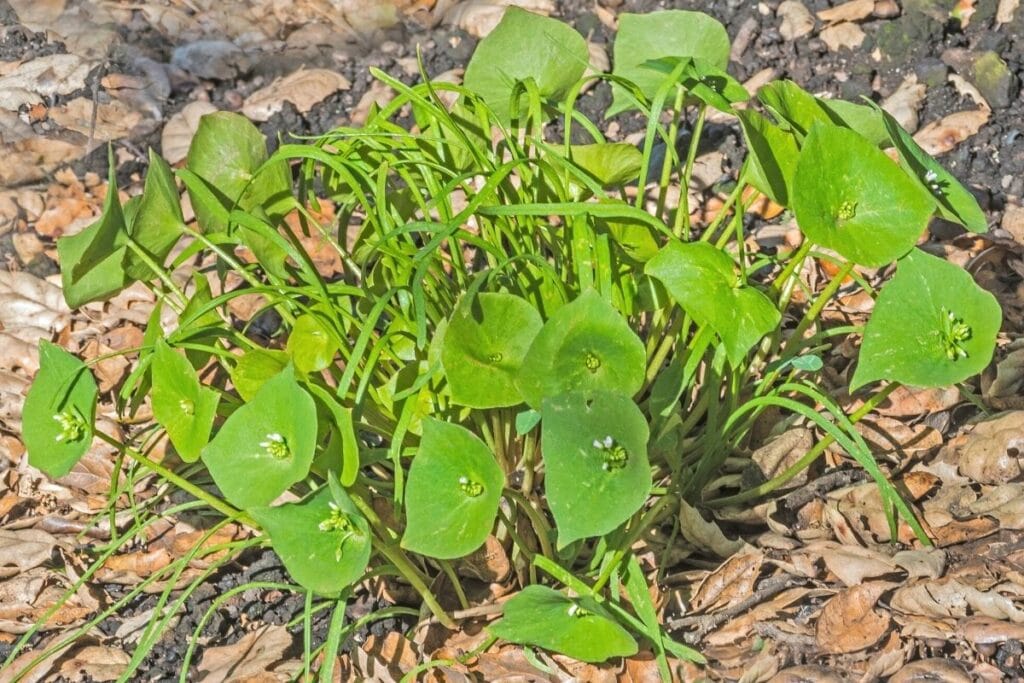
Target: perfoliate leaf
x,y
254,368
60,411
311,345
576,627
932,326
266,445
181,404
157,222
793,107
610,163
452,496
595,459
772,156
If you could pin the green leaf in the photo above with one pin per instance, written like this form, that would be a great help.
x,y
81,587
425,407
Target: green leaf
x,y
323,541
575,627
92,261
484,346
60,411
229,153
636,238
453,492
932,326
311,345
704,81
704,281
595,462
266,445
793,107
522,46
864,120
181,404
254,368
956,203
586,344
773,153
158,222
610,163
850,197
654,35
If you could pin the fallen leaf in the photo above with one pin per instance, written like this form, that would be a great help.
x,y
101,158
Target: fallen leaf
x,y
854,10
479,17
47,77
989,631
385,658
303,88
489,563
23,549
849,621
943,135
731,582
852,564
181,128
254,654
928,563
1013,221
1006,10
947,597
113,120
776,456
31,308
910,402
704,534
98,663
845,35
991,452
797,20
905,102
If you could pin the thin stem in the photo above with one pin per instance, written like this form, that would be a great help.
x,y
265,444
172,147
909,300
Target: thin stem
x,y
681,224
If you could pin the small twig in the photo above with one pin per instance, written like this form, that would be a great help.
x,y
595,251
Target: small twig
x,y
793,640
708,622
822,485
489,610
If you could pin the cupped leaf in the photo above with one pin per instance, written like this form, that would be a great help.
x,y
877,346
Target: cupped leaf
x,y
932,326
704,281
861,118
323,541
585,345
654,35
793,107
266,445
158,221
524,46
610,163
228,153
484,346
850,197
956,203
595,462
92,261
254,368
181,404
311,345
60,411
704,81
773,153
576,627
453,492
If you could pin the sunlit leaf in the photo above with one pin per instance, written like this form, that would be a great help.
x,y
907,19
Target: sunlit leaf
x,y
181,404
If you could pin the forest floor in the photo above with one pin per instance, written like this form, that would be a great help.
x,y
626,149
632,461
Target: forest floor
x,y
808,586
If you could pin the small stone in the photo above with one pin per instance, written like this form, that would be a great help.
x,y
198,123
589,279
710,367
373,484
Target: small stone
x,y
213,59
886,9
1013,222
987,72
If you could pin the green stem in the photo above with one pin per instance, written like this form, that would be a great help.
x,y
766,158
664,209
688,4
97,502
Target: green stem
x,y
681,224
649,518
540,525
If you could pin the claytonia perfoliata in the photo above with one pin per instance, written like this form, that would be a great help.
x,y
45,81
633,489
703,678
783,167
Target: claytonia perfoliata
x,y
275,446
575,610
72,426
338,521
954,333
615,456
469,487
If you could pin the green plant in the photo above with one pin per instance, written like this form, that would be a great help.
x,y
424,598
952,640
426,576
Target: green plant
x,y
516,347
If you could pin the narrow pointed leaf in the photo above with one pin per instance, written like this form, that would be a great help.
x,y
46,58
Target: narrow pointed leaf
x,y
158,222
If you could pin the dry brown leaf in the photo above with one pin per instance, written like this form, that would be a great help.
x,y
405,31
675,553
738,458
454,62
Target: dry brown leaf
x,y
944,598
731,582
489,563
783,451
968,89
304,88
989,631
181,128
806,673
887,435
909,402
1005,504
254,654
1008,383
95,663
991,452
740,628
854,10
852,564
943,135
905,102
944,670
1006,10
30,308
42,77
849,621
23,549
845,35
704,534
379,93
113,120
928,563
797,20
385,658
479,17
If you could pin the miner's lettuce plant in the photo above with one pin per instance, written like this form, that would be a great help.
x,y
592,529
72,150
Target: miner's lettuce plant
x,y
523,345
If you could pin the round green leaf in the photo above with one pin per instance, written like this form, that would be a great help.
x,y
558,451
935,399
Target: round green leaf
x,y
60,411
323,541
667,33
266,445
793,107
610,163
180,404
311,345
254,368
575,627
452,496
595,462
932,326
484,345
704,281
525,45
850,197
158,223
586,344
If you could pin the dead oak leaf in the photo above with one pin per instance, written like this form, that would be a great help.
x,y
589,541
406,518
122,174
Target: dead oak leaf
x,y
254,654
944,135
849,621
304,88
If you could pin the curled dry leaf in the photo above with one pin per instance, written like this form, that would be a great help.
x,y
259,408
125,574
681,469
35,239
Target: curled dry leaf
x,y
797,20
887,435
380,657
807,672
181,128
991,452
304,88
780,453
967,89
909,402
849,621
943,135
988,631
1005,504
740,628
30,309
943,598
854,10
704,534
852,564
23,549
905,102
114,120
479,17
1008,384
43,77
846,34
929,563
95,663
731,582
254,654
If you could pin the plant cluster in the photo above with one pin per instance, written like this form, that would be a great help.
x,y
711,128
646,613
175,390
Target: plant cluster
x,y
527,342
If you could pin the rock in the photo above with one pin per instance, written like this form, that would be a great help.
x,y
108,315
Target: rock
x,y
910,35
213,59
931,72
886,9
987,72
797,20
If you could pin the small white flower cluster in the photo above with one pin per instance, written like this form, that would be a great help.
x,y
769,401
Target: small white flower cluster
x,y
615,456
72,426
275,446
469,487
931,179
